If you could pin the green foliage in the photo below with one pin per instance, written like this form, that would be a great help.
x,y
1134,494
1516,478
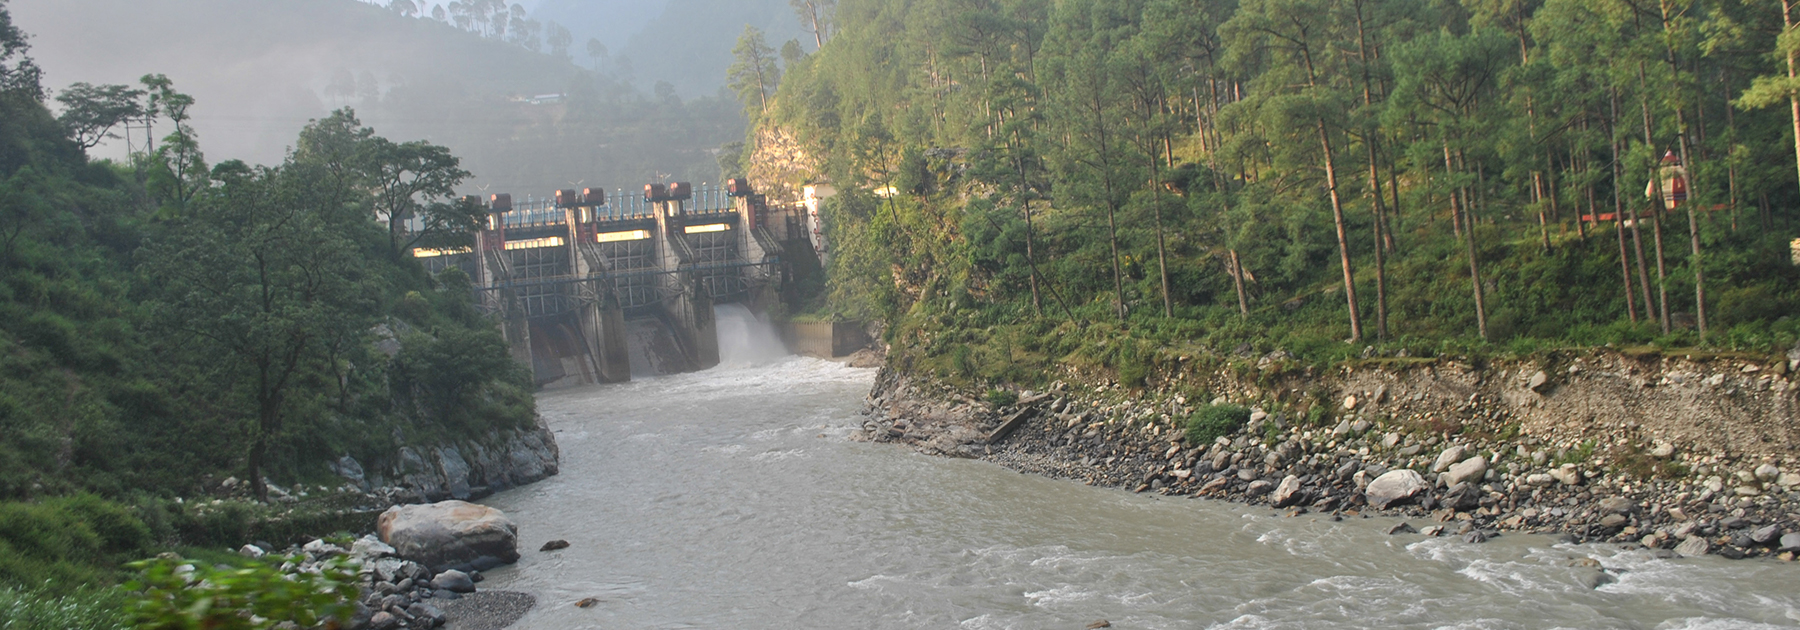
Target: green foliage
x,y
170,593
67,541
1215,421
1002,397
85,609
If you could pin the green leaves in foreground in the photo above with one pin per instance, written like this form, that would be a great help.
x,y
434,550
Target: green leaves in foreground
x,y
174,594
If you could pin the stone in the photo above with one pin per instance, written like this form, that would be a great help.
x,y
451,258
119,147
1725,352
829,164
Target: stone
x,y
1595,579
587,602
1662,450
1445,459
427,612
1617,505
1537,380
1349,403
1433,531
1343,429
1258,416
1766,535
1390,440
454,581
321,549
1259,487
1788,480
1395,487
1471,469
370,547
1748,491
1539,479
1566,474
1767,473
1693,547
447,533
1246,474
554,545
1462,496
1614,521
383,620
1287,493
1475,537
251,551
1790,542
1402,528
1099,624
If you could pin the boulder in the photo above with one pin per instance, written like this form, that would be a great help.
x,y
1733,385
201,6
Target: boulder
x,y
1567,474
1537,380
1539,479
1403,528
1693,547
251,551
1445,459
1287,493
1470,470
1395,487
1767,473
1617,505
453,581
1462,496
1790,541
1766,535
370,547
1258,488
447,533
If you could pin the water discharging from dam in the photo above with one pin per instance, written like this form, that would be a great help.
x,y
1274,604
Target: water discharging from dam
x,y
732,498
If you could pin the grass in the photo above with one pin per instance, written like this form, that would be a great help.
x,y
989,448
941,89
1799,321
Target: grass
x,y
1211,422
85,609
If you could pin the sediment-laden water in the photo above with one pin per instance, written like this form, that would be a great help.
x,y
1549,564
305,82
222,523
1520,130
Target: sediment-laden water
x,y
732,498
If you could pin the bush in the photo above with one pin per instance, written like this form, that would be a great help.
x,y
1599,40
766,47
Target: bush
x,y
67,541
83,610
1002,397
170,594
1215,421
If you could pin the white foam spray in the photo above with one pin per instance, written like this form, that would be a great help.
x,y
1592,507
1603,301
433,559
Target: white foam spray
x,y
745,339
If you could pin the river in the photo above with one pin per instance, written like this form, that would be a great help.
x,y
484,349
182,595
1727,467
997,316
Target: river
x,y
734,498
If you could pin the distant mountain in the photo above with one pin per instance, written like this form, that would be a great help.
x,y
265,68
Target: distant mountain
x,y
689,45
260,69
613,22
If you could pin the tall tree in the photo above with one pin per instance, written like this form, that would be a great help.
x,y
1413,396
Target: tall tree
x,y
90,112
754,75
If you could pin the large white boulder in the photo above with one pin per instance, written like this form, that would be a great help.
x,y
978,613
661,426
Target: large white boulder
x,y
1394,487
448,533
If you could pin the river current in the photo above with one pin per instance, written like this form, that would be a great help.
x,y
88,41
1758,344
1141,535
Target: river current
x,y
734,498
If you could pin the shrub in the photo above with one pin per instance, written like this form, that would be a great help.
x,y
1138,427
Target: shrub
x,y
1002,397
170,593
1215,421
39,610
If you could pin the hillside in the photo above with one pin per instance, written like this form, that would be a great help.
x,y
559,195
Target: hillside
x,y
260,70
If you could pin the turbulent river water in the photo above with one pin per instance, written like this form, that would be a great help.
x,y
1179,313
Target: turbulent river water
x,y
733,498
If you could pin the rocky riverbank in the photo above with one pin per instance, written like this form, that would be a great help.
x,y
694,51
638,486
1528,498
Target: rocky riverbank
x,y
1688,455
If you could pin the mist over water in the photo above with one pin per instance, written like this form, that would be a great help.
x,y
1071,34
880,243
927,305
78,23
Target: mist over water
x,y
745,339
733,498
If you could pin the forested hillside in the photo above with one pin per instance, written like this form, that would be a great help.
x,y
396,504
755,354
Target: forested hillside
x,y
260,70
167,322
1107,182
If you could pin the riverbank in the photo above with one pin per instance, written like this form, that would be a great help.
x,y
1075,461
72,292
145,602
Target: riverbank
x,y
1691,455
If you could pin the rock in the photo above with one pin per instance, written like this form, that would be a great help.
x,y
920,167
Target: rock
x,y
554,545
1537,380
1462,496
1471,470
1662,450
428,613
251,551
1433,531
383,620
1258,416
454,581
1614,521
1099,624
1617,505
1390,440
1343,429
1790,542
446,533
1475,537
1567,474
1748,491
1395,487
321,549
1246,474
1595,579
1288,493
587,602
1349,403
1402,528
1693,547
1259,487
1445,459
1730,552
1788,480
1766,535
1767,473
369,547
1539,479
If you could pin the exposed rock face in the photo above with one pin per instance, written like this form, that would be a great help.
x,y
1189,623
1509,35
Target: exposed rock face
x,y
469,469
448,533
1395,486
